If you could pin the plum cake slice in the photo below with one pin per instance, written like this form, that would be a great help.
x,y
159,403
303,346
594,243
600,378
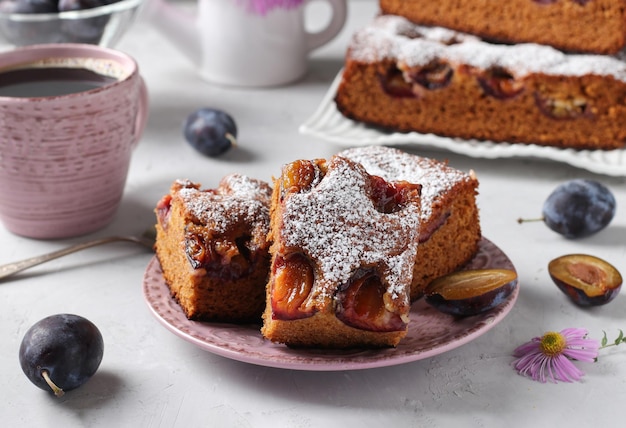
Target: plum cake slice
x,y
343,247
212,247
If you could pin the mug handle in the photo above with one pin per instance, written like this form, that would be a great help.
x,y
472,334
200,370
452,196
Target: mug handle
x,y
337,21
142,112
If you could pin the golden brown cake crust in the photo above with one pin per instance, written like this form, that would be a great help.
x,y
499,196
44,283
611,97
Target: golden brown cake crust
x,y
472,90
597,26
342,260
353,241
449,226
212,247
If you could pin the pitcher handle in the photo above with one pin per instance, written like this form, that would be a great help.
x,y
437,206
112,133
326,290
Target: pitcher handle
x,y
337,21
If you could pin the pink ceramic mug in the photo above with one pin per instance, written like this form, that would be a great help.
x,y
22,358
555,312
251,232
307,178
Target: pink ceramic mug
x,y
64,156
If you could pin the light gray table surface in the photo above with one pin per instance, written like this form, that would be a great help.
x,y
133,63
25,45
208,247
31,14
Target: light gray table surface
x,y
150,377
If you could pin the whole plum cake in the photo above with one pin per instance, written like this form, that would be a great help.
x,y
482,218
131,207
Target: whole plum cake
x,y
344,244
212,247
594,26
405,77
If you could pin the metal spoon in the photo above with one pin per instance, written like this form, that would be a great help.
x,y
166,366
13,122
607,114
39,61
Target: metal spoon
x,y
147,240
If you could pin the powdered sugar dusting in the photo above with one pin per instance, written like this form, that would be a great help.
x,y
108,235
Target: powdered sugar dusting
x,y
386,37
336,224
237,200
391,164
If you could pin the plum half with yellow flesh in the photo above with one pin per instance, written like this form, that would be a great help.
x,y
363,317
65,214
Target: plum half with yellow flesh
x,y
471,292
586,280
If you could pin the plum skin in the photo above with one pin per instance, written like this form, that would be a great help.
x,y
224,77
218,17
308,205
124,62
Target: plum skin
x,y
579,208
210,131
606,285
472,305
68,347
580,298
471,292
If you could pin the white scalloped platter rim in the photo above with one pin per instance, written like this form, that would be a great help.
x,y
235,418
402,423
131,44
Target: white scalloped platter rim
x,y
431,332
328,124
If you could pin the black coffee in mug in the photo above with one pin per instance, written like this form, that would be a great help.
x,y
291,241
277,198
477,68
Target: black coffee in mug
x,y
49,81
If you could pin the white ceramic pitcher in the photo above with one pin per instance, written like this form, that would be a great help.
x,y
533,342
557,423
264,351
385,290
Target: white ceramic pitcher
x,y
253,43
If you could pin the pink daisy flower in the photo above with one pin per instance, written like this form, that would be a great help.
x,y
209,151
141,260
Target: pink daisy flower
x,y
550,356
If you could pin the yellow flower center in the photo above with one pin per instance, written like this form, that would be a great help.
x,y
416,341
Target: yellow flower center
x,y
552,344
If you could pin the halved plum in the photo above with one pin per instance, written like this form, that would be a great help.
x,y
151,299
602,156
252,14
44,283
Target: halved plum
x,y
390,197
198,252
362,304
499,83
221,258
163,210
393,84
586,280
563,108
302,175
471,292
293,282
435,75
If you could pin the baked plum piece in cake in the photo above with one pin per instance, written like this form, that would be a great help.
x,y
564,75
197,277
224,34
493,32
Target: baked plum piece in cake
x,y
405,77
449,227
597,26
343,248
212,247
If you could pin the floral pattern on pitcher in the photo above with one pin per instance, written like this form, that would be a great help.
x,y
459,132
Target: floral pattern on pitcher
x,y
263,7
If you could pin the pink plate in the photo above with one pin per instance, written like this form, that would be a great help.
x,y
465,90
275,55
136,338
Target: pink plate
x,y
430,331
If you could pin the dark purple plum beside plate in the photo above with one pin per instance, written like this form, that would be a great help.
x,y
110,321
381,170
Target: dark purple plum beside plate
x,y
61,352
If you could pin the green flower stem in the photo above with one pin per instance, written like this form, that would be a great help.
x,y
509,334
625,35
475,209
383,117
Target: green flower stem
x,y
604,343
